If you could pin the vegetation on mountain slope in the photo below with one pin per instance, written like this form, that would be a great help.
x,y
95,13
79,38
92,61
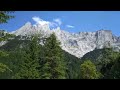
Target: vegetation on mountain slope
x,y
106,60
21,55
88,71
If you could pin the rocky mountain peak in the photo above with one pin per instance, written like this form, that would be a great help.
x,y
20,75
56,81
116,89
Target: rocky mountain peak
x,y
77,44
102,37
28,24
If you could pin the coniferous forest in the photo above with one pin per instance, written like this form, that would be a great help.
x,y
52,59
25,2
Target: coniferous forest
x,y
24,58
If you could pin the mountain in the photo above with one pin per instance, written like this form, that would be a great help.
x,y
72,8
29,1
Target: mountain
x,y
77,44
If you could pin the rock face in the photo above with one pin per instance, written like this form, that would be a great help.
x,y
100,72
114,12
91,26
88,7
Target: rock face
x,y
29,29
103,38
77,44
3,43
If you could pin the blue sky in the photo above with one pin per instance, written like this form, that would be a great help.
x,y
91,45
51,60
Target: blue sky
x,y
72,21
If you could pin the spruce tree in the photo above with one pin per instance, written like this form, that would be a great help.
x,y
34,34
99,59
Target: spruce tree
x,y
88,71
114,73
4,16
53,65
29,66
4,68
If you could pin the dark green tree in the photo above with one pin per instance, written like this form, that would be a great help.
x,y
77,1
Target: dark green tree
x,y
53,64
108,60
114,73
4,16
30,63
4,68
88,70
3,53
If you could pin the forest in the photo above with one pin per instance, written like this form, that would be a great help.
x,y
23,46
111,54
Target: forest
x,y
24,58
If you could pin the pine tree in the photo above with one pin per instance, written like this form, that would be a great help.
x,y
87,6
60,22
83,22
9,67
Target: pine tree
x,y
114,73
88,71
3,53
4,16
4,67
53,65
29,66
107,61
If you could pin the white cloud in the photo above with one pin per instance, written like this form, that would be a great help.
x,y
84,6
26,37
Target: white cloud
x,y
40,21
58,20
54,23
69,26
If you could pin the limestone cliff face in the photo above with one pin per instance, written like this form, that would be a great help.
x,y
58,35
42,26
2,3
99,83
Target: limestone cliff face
x,y
103,37
77,44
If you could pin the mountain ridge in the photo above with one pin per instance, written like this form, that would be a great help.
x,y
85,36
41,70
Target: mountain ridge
x,y
77,44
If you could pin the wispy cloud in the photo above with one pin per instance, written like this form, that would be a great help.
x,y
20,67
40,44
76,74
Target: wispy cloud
x,y
69,26
52,24
58,20
40,21
55,23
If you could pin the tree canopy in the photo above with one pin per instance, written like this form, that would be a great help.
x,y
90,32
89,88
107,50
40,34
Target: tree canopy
x,y
5,16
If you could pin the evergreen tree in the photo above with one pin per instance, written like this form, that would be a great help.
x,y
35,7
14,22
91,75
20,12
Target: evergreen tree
x,y
88,70
3,53
4,16
114,73
108,60
53,65
4,67
29,66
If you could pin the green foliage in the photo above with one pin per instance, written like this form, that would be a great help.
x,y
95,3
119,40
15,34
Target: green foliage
x,y
4,16
28,66
3,68
13,60
2,33
53,66
14,43
1,39
72,66
114,72
88,70
104,59
109,58
3,53
5,36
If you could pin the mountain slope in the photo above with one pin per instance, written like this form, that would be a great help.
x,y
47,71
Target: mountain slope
x,y
101,56
77,44
105,60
